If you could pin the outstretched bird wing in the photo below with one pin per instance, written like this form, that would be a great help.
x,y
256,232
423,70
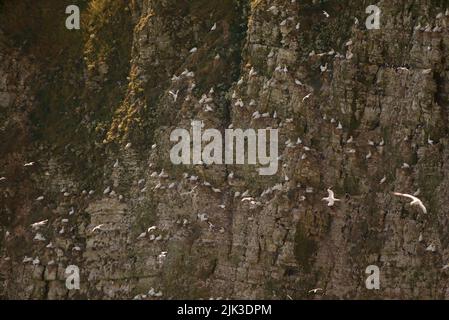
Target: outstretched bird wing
x,y
415,200
405,195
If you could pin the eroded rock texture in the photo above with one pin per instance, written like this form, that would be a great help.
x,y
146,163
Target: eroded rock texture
x,y
93,110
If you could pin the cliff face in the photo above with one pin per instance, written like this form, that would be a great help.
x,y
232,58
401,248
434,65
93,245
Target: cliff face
x,y
93,110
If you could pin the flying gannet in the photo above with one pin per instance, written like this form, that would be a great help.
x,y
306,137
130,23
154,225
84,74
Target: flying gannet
x,y
415,200
330,198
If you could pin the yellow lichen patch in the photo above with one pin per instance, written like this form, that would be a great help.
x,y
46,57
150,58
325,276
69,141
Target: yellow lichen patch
x,y
143,22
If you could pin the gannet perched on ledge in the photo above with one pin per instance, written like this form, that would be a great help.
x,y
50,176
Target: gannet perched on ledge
x,y
39,224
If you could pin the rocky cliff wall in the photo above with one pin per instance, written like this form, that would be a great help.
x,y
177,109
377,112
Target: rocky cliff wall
x,y
93,110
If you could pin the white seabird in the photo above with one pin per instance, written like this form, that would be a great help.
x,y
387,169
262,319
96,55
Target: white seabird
x,y
330,198
306,97
39,224
174,95
415,200
97,227
39,237
27,259
323,68
315,291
